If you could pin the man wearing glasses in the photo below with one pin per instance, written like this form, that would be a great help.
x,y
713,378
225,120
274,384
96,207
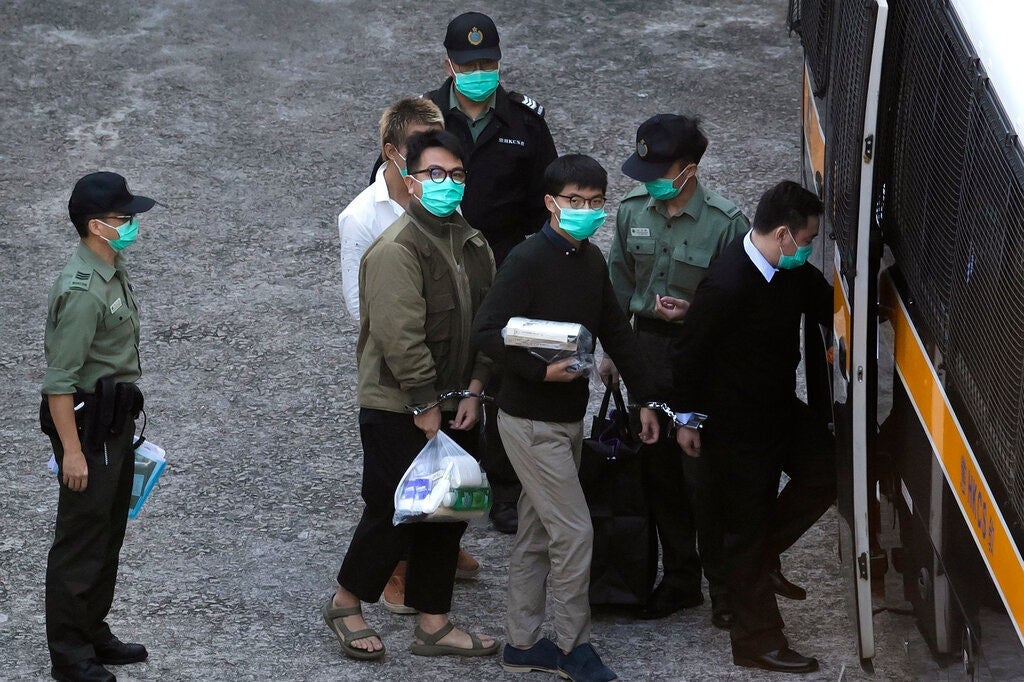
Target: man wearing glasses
x,y
92,338
362,221
420,285
557,274
509,146
667,231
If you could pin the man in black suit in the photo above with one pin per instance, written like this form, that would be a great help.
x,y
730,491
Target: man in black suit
x,y
735,360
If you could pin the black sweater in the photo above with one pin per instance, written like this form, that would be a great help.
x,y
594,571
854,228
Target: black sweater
x,y
545,279
739,346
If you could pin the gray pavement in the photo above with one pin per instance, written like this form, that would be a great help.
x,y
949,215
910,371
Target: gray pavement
x,y
255,122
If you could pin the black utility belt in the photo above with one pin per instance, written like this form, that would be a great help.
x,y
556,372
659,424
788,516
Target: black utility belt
x,y
99,415
650,325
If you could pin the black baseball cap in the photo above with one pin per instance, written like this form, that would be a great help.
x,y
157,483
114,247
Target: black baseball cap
x,y
105,192
470,36
662,140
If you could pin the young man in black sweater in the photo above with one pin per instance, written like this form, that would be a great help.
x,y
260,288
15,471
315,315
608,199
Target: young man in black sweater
x,y
556,274
735,360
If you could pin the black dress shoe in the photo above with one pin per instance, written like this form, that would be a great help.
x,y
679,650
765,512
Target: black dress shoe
x,y
783,587
505,518
116,652
667,599
783,660
722,615
88,670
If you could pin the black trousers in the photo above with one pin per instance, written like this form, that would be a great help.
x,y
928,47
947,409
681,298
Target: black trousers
x,y
82,565
391,442
677,489
758,522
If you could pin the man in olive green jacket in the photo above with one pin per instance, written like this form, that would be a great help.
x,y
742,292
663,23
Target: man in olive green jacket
x,y
420,284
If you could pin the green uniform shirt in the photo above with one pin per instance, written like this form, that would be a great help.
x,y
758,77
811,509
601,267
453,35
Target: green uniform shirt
x,y
476,125
92,328
654,253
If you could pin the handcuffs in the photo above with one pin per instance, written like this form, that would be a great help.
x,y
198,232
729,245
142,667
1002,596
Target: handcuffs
x,y
417,410
695,420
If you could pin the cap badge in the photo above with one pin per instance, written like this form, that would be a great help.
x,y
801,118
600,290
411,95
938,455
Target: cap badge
x,y
641,148
475,36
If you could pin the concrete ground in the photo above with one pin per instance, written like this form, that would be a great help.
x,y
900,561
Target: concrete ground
x,y
255,123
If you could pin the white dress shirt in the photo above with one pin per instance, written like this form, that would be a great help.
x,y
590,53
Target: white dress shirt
x,y
359,225
757,258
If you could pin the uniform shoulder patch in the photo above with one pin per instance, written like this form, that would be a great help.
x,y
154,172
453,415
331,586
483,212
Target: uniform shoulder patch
x,y
730,209
528,102
81,280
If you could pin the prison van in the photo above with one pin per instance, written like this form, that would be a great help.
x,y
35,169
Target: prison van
x,y
911,116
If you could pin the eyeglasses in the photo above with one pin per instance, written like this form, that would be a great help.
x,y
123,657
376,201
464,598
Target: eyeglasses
x,y
125,218
438,174
575,201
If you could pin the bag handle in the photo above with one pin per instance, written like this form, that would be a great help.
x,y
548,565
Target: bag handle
x,y
603,412
620,402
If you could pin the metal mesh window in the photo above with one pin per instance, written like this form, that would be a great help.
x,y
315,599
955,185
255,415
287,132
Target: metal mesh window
x,y
851,56
932,113
812,19
955,221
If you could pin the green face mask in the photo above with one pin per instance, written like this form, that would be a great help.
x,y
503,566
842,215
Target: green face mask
x,y
580,223
476,85
126,234
664,189
441,198
798,258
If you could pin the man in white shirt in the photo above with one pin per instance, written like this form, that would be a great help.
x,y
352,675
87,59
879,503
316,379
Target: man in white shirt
x,y
377,206
359,225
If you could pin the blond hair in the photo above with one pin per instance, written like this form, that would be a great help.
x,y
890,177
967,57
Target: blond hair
x,y
404,113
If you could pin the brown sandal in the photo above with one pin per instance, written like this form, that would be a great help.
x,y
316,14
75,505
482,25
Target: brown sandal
x,y
430,647
333,616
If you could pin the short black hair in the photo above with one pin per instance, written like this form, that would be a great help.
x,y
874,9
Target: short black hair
x,y
81,223
574,169
692,142
787,203
429,139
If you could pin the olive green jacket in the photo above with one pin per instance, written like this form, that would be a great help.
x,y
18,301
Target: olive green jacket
x,y
420,285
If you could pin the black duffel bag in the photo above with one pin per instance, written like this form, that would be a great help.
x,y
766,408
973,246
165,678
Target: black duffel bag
x,y
625,560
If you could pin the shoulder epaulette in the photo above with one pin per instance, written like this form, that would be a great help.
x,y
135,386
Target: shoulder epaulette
x,y
81,280
730,209
528,102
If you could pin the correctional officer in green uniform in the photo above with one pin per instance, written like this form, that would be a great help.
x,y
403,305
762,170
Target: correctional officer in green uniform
x,y
667,232
88,410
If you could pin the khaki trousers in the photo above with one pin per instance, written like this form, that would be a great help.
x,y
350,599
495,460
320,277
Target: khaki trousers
x,y
555,537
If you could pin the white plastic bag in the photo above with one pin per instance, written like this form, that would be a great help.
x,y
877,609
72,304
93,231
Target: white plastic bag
x,y
443,483
552,341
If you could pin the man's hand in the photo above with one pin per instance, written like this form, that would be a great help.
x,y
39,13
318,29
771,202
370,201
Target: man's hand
x,y
650,428
75,470
689,440
467,415
670,308
428,422
559,371
609,373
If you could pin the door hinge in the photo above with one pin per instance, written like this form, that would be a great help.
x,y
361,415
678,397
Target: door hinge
x,y
869,148
862,565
